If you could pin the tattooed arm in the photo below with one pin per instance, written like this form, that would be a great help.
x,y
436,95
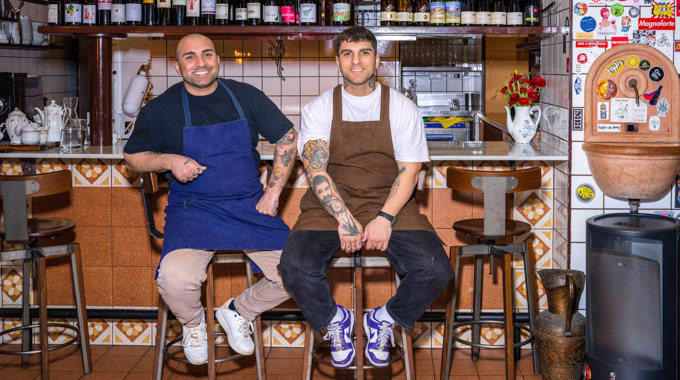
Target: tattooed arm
x,y
379,230
315,157
183,168
284,159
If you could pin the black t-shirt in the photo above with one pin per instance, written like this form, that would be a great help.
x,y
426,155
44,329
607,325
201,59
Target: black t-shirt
x,y
160,122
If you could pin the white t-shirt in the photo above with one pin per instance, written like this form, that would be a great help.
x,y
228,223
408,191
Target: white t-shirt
x,y
406,124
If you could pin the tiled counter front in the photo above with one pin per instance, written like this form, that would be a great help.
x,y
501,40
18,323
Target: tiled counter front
x,y
119,256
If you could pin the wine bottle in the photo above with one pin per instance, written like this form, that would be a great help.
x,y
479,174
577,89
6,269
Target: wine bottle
x,y
73,12
272,12
222,12
117,12
179,11
421,14
483,14
89,12
208,12
309,12
513,13
342,12
254,12
388,12
437,13
55,16
405,12
104,12
532,13
241,12
467,13
193,12
498,13
148,13
453,12
289,12
133,12
163,12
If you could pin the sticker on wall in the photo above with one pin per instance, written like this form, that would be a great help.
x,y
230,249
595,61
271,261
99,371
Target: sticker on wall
x,y
648,23
588,24
580,9
619,40
588,373
645,37
602,111
656,74
677,46
633,61
578,86
626,110
606,26
582,58
644,65
606,89
654,123
662,107
609,127
617,10
625,24
585,52
677,192
634,12
577,119
663,9
615,66
585,192
653,96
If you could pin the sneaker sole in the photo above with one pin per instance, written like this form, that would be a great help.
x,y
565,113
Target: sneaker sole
x,y
196,362
354,348
223,323
368,357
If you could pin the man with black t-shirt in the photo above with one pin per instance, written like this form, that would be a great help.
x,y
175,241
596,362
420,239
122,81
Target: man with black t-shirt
x,y
202,133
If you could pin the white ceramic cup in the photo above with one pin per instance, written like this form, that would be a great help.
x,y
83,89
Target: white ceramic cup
x,y
38,38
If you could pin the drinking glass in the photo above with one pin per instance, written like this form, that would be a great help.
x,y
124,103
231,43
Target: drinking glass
x,y
71,102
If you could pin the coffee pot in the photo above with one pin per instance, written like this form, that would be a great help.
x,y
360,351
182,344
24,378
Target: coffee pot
x,y
54,118
16,121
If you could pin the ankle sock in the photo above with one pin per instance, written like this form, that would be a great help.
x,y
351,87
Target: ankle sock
x,y
382,315
338,315
232,307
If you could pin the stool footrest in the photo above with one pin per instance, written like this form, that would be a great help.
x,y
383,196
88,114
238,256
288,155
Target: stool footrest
x,y
490,322
170,356
37,326
315,354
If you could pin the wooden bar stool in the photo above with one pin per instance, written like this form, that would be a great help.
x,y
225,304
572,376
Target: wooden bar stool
x,y
357,263
162,346
19,229
494,226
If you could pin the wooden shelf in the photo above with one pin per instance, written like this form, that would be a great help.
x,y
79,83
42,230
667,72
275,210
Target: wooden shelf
x,y
29,47
290,32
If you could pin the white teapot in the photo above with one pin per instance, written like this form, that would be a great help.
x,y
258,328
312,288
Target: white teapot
x,y
30,134
54,118
16,121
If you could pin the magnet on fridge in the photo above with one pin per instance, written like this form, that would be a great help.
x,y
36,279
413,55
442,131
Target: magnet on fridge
x,y
662,107
644,65
606,89
633,61
653,96
654,123
656,74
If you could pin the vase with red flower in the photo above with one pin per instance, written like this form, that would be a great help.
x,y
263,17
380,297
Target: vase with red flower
x,y
521,92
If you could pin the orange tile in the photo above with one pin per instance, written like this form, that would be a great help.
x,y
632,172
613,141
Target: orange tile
x,y
289,205
222,276
59,288
340,281
98,285
424,199
137,351
160,201
52,206
450,206
92,206
131,246
283,367
127,208
132,286
95,245
377,286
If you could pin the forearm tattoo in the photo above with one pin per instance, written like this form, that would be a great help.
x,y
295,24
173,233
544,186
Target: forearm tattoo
x,y
315,156
397,183
327,194
350,227
284,157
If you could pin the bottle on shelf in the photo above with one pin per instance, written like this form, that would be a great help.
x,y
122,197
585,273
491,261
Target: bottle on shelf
x,y
118,12
498,13
437,13
532,13
55,15
148,13
513,13
222,12
179,12
342,12
208,10
388,12
73,14
405,12
309,12
89,12
467,13
163,12
453,8
289,12
133,12
483,14
254,12
272,12
193,12
104,12
421,13
241,12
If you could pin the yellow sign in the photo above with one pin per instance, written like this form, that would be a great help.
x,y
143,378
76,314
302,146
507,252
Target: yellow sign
x,y
615,67
585,192
663,10
584,36
633,61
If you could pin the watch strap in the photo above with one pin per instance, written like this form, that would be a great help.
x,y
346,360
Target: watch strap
x,y
391,218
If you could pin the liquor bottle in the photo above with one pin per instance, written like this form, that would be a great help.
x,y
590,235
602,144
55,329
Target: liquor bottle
x,y
513,13
483,14
421,14
104,12
73,12
222,12
467,13
117,12
254,12
532,13
193,12
179,11
453,8
55,16
309,12
388,12
133,12
498,13
148,13
405,12
241,12
208,12
89,12
342,12
163,12
289,12
437,13
272,12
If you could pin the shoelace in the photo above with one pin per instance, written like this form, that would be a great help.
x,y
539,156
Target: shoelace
x,y
385,333
195,338
334,334
245,327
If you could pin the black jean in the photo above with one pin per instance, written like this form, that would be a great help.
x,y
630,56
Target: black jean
x,y
418,256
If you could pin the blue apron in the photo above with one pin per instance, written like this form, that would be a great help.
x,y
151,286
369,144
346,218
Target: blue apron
x,y
216,211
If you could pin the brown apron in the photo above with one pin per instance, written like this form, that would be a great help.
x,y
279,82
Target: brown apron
x,y
363,167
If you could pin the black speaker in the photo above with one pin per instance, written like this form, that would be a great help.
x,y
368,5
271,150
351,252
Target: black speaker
x,y
632,297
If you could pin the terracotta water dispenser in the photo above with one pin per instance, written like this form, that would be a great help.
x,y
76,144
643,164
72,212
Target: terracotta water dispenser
x,y
632,129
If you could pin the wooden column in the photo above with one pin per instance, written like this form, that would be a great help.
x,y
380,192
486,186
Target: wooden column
x,y
101,109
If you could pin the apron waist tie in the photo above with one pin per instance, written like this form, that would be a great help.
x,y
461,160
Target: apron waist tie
x,y
188,202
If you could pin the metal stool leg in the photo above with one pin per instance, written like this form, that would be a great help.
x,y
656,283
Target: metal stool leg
x,y
42,296
508,291
79,296
477,306
447,350
26,335
407,343
210,322
161,330
257,334
359,314
532,293
309,347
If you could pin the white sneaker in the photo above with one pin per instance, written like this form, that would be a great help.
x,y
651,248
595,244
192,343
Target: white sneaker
x,y
195,343
238,329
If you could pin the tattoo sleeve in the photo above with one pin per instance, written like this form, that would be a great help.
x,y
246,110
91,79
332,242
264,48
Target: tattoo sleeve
x,y
397,182
284,159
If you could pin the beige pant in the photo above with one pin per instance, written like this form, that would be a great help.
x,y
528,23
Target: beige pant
x,y
183,271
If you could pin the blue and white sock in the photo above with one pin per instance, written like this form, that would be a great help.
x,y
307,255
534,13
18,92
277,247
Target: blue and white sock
x,y
383,315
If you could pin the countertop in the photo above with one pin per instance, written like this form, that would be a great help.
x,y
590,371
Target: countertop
x,y
439,151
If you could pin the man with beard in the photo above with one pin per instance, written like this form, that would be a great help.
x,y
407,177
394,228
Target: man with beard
x,y
202,134
362,147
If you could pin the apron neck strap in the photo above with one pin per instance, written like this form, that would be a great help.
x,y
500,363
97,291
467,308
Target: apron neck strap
x,y
187,111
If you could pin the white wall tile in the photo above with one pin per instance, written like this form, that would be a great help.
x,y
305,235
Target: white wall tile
x,y
579,163
578,262
271,86
254,81
328,68
291,86
252,67
290,105
597,200
309,86
232,67
291,67
327,83
159,67
578,223
663,203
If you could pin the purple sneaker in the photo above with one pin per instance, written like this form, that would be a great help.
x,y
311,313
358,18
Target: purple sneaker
x,y
340,336
378,333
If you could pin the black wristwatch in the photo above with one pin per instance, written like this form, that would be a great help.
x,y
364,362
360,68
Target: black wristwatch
x,y
392,219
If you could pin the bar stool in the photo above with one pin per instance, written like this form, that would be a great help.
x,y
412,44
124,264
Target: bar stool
x,y
19,229
357,263
494,226
161,349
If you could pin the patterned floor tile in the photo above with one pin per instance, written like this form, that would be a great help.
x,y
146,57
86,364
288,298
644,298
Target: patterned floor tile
x,y
50,165
421,335
11,166
492,335
12,285
15,336
288,334
521,292
132,332
535,208
539,243
123,176
92,172
100,331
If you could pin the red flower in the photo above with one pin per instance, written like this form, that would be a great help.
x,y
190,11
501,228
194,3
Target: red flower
x,y
516,77
504,90
514,97
524,101
531,88
539,82
533,96
523,90
527,81
511,102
